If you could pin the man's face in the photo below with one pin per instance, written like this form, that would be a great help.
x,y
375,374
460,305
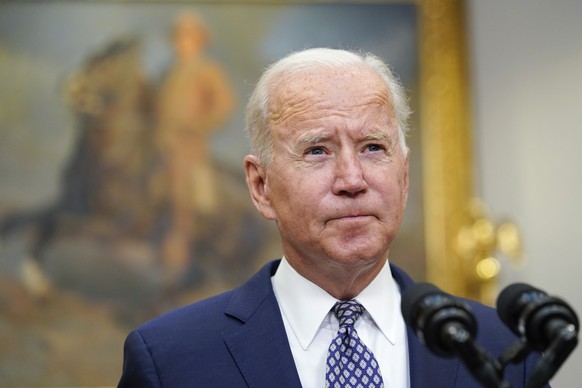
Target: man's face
x,y
338,182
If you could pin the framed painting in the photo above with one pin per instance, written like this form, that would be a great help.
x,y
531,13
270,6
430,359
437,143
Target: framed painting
x,y
112,212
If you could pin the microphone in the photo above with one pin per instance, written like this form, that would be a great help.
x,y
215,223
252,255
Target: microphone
x,y
440,321
546,323
446,325
533,314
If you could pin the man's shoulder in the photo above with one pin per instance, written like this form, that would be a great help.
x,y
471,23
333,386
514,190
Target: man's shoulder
x,y
215,313
492,333
191,317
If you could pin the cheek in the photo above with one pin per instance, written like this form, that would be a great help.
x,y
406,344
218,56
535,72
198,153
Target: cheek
x,y
300,198
392,191
285,195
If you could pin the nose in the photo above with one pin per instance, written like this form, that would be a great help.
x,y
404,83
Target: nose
x,y
349,175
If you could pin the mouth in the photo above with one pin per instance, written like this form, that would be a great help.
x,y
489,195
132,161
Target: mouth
x,y
351,217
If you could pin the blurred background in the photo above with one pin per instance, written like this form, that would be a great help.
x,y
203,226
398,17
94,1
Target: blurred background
x,y
526,87
108,217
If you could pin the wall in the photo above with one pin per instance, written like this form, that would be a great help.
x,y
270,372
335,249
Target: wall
x,y
527,87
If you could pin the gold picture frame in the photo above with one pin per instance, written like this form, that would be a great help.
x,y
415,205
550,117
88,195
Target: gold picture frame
x,y
446,140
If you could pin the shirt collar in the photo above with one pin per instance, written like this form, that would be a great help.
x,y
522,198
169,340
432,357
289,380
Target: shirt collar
x,y
305,305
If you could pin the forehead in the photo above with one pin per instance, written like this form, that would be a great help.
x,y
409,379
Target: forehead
x,y
318,92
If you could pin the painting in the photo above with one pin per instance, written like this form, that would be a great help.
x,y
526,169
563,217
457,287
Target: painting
x,y
122,191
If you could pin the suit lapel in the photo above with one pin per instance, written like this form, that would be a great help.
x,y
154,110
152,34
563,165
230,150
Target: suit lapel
x,y
260,347
426,369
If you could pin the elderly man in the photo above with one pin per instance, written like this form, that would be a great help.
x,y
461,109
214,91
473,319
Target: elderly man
x,y
329,165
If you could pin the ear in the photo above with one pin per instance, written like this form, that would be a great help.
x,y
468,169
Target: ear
x,y
257,183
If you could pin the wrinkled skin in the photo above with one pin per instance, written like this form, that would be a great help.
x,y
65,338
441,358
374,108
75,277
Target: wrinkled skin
x,y
338,183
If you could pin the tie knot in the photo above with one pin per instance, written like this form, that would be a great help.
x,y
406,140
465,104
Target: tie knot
x,y
348,312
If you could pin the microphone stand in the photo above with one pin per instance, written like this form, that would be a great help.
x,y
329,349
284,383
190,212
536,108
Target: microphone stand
x,y
482,366
554,357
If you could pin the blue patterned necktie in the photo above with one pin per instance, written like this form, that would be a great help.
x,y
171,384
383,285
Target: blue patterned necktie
x,y
350,364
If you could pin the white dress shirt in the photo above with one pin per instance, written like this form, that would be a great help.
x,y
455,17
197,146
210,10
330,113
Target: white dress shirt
x,y
311,326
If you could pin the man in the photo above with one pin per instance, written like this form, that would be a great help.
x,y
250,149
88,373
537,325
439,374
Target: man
x,y
195,100
329,165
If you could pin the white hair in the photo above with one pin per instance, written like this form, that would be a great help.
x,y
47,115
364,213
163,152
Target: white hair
x,y
257,113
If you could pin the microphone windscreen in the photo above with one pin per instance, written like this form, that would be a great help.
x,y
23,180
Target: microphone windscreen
x,y
508,305
412,296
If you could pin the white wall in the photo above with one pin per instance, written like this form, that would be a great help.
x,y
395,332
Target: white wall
x,y
527,87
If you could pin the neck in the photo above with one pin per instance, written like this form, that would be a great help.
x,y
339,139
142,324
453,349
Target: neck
x,y
343,282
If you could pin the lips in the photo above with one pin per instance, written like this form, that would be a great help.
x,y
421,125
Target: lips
x,y
351,212
348,217
354,216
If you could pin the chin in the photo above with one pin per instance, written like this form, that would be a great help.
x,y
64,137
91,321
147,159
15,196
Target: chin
x,y
358,257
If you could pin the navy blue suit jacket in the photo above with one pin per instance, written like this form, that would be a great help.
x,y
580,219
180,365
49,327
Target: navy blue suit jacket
x,y
237,339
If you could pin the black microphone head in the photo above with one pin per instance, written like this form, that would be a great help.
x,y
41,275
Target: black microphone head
x,y
428,311
534,315
412,297
512,301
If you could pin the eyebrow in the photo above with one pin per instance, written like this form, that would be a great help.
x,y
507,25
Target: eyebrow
x,y
378,134
312,138
318,137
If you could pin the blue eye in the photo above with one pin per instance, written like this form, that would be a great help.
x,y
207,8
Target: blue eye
x,y
374,147
315,151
